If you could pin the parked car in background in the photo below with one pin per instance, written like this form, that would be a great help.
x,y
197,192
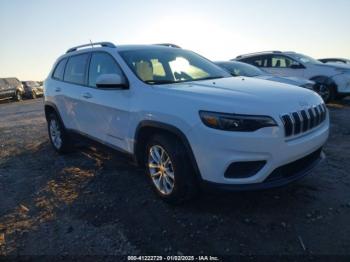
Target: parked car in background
x,y
332,80
335,60
236,68
184,119
11,88
32,89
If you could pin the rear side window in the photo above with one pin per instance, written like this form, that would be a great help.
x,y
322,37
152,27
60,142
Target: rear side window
x,y
13,81
76,68
59,71
259,61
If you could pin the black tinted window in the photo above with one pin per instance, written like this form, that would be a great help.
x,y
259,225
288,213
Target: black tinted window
x,y
13,82
259,61
59,71
279,61
75,69
102,63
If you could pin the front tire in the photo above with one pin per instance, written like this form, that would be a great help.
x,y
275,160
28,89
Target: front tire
x,y
58,136
169,170
325,88
18,96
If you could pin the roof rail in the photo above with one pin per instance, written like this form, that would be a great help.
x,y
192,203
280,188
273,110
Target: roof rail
x,y
169,45
102,44
258,53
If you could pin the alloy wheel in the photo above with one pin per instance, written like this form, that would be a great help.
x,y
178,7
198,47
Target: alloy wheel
x,y
55,134
323,91
161,170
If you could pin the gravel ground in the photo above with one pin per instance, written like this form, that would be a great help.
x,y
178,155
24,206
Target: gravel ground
x,y
94,202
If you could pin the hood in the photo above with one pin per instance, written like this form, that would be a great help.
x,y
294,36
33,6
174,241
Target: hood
x,y
287,80
335,67
244,95
339,65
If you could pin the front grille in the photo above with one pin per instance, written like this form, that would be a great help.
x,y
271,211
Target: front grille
x,y
302,121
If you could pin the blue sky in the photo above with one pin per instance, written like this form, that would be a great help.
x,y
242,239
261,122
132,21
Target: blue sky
x,y
35,32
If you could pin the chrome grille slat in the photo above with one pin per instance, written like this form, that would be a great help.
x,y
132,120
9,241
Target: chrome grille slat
x,y
302,121
317,116
306,121
299,122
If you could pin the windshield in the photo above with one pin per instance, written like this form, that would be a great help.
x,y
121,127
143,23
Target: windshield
x,y
32,83
170,65
306,59
241,69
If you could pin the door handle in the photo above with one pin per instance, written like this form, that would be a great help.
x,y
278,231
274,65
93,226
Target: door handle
x,y
87,95
57,89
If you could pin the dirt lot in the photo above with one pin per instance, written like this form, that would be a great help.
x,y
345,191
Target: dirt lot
x,y
95,202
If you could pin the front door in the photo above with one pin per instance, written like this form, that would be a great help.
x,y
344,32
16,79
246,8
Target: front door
x,y
281,65
105,112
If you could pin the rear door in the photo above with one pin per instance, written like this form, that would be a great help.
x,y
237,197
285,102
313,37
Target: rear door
x,y
10,87
71,90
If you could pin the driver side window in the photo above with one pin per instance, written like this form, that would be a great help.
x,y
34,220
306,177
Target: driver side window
x,y
102,63
279,61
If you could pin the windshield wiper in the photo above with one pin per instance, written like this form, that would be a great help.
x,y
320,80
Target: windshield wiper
x,y
156,82
208,78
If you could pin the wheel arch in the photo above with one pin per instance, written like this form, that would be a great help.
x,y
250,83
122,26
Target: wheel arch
x,y
324,79
148,127
51,108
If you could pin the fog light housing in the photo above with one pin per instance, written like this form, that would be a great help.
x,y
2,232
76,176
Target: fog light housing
x,y
244,169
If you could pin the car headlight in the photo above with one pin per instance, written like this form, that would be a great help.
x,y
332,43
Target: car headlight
x,y
233,122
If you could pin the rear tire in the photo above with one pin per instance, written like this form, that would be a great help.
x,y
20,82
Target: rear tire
x,y
58,136
169,170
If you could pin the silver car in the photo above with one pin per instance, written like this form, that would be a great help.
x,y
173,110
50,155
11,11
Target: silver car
x,y
242,69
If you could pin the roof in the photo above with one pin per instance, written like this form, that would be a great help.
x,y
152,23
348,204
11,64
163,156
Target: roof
x,y
139,47
98,46
119,48
265,53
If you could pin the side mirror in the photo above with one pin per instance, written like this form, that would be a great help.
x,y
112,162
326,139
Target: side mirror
x,y
296,66
111,81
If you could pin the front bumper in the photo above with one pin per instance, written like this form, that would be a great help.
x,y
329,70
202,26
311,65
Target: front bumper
x,y
281,176
216,150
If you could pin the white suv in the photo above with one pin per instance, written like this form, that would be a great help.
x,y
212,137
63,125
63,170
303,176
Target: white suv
x,y
332,80
185,119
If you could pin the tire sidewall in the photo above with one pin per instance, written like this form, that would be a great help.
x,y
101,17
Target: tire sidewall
x,y
64,138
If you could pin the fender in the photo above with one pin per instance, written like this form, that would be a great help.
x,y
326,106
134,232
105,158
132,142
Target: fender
x,y
54,107
323,79
174,130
